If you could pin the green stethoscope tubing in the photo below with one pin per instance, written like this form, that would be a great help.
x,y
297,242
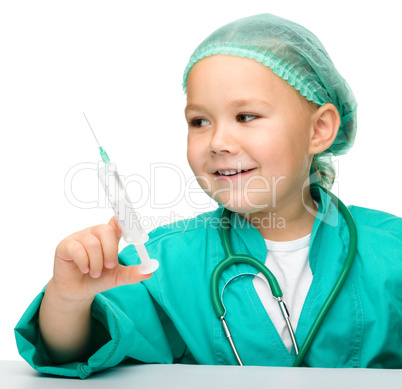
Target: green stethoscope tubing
x,y
231,259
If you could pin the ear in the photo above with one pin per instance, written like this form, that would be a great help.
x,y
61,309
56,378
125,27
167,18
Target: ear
x,y
326,122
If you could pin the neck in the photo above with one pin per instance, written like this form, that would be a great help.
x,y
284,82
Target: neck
x,y
288,221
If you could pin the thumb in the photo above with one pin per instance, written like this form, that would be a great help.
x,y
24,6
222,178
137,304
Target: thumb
x,y
125,275
116,226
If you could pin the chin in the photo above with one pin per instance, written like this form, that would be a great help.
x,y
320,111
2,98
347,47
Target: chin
x,y
243,205
239,207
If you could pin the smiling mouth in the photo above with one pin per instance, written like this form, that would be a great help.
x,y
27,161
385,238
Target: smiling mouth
x,y
231,172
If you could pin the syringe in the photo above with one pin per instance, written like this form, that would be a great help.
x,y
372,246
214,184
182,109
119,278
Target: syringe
x,y
129,219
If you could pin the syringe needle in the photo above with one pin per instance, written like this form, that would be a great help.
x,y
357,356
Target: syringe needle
x,y
103,153
89,124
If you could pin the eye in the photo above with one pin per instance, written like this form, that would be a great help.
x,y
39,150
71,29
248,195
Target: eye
x,y
244,117
198,123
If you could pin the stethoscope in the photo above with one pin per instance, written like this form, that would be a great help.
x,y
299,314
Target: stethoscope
x,y
231,258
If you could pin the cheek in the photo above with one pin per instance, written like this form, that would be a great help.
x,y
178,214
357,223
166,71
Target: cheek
x,y
196,164
268,147
193,154
279,154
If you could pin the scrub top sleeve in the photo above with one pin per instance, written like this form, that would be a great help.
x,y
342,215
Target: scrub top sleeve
x,y
135,333
30,345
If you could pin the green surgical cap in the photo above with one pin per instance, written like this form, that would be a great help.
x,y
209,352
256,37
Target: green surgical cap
x,y
294,54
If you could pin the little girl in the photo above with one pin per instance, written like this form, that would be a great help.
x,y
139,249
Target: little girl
x,y
266,109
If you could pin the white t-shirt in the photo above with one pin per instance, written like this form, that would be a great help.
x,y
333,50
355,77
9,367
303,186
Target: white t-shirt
x,y
288,261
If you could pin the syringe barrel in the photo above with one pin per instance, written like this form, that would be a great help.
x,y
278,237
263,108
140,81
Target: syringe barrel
x,y
128,218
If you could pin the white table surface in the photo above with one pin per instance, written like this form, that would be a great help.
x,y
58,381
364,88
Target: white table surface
x,y
19,375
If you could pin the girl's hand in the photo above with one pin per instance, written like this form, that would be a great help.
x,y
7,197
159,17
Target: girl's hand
x,y
86,263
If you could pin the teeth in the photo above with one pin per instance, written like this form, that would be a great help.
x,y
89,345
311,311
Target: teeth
x,y
230,172
227,172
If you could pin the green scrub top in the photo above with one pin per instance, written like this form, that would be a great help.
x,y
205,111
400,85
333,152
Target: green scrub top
x,y
169,318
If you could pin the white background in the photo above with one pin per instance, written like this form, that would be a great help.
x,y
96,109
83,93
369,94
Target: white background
x,y
122,63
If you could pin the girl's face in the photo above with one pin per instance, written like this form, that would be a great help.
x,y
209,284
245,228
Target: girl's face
x,y
244,119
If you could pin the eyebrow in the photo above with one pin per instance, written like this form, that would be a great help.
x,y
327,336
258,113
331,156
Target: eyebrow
x,y
235,103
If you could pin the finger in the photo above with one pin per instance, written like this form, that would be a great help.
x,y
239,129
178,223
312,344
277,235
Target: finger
x,y
74,251
126,275
93,248
109,242
116,227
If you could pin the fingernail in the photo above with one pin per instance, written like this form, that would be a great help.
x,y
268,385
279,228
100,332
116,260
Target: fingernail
x,y
96,274
86,270
110,264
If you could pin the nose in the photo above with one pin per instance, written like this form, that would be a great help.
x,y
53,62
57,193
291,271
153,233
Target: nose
x,y
222,142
